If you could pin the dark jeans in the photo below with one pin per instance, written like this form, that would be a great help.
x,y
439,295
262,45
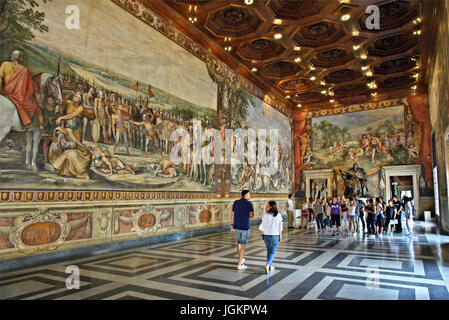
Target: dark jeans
x,y
335,220
371,221
319,221
399,225
361,217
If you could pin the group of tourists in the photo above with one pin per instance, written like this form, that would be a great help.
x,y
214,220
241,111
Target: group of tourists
x,y
350,216
337,215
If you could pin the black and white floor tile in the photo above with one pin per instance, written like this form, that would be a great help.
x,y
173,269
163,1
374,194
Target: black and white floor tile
x,y
308,266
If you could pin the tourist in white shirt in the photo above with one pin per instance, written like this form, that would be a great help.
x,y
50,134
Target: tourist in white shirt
x,y
408,210
290,214
271,232
352,216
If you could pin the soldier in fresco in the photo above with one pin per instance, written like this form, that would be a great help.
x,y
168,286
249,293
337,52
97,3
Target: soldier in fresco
x,y
88,110
73,114
151,133
102,115
103,161
119,131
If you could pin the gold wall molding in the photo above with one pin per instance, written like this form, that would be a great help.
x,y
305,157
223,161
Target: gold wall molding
x,y
86,195
357,107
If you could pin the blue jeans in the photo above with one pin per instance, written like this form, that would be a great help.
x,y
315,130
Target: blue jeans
x,y
271,242
242,236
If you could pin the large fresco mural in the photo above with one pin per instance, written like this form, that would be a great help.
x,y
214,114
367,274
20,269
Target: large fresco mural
x,y
107,98
369,138
248,111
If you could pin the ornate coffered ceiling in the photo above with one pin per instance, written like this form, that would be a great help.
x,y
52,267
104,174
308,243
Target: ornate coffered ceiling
x,y
320,60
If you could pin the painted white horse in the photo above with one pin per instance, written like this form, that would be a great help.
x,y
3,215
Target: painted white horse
x,y
9,120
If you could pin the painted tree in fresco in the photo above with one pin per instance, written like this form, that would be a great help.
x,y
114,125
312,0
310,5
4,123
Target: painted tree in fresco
x,y
241,101
326,134
17,20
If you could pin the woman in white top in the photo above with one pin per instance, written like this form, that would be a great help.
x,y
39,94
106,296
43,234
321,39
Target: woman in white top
x,y
291,217
352,216
408,209
271,232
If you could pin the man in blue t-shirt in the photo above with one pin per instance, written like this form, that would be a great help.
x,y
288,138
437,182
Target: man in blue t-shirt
x,y
242,211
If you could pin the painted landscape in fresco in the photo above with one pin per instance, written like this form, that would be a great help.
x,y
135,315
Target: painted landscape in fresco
x,y
370,138
122,89
251,112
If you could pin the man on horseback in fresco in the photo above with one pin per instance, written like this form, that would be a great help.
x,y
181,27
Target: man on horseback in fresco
x,y
18,86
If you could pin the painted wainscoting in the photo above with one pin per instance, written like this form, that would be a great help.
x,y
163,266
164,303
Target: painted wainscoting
x,y
31,235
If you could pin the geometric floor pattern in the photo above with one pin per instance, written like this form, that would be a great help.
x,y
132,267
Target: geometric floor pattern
x,y
309,266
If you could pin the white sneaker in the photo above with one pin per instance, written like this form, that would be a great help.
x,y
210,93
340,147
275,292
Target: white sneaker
x,y
272,268
243,260
267,268
241,267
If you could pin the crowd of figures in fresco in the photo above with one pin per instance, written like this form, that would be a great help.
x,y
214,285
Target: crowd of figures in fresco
x,y
250,176
71,111
384,140
85,127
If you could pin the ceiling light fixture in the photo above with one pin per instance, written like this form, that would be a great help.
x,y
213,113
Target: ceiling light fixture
x,y
372,85
369,74
414,87
331,100
313,78
374,94
299,105
297,48
345,17
298,60
363,57
355,33
355,47
278,36
193,17
322,83
312,68
277,21
287,97
254,69
323,92
249,2
364,68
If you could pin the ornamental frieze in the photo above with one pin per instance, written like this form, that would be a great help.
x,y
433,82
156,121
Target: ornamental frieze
x,y
357,107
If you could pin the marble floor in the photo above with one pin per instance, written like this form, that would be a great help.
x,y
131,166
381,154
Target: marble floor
x,y
308,266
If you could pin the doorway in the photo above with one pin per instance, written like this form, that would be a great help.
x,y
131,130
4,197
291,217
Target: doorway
x,y
403,180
